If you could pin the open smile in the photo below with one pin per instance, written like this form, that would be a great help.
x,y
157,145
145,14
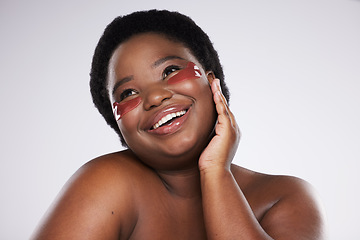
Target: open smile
x,y
169,121
168,118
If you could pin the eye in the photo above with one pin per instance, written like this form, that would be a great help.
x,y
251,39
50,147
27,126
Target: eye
x,y
127,93
169,70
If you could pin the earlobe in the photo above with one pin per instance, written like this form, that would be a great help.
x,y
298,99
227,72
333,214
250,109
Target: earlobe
x,y
210,76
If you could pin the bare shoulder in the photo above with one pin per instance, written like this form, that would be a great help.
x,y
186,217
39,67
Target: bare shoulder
x,y
284,205
278,185
100,194
112,167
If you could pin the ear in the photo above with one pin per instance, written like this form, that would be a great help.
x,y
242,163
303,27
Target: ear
x,y
210,76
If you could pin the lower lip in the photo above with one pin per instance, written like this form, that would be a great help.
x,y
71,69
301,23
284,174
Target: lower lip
x,y
171,128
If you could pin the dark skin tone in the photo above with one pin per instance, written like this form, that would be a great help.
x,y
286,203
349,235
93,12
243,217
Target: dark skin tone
x,y
176,182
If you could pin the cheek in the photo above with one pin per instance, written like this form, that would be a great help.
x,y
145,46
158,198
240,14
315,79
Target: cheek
x,y
128,124
190,72
190,81
196,88
120,109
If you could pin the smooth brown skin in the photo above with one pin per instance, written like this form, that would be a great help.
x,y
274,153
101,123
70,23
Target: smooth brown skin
x,y
180,185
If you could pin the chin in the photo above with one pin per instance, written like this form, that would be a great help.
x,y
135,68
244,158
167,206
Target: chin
x,y
177,154
189,147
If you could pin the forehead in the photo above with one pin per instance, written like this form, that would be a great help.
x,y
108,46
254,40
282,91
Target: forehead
x,y
146,48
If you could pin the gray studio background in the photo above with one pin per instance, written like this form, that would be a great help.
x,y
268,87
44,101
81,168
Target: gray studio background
x,y
293,67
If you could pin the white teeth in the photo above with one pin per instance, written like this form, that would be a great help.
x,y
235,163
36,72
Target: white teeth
x,y
168,118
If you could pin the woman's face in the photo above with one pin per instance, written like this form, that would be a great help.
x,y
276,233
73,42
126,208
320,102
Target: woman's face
x,y
162,101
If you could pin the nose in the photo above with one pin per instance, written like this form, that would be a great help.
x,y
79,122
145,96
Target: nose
x,y
155,96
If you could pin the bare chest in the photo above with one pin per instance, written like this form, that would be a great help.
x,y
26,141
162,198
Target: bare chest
x,y
166,219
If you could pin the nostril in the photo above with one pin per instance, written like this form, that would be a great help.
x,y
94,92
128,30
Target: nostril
x,y
152,106
166,98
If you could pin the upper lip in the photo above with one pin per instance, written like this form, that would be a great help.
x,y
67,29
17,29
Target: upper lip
x,y
173,108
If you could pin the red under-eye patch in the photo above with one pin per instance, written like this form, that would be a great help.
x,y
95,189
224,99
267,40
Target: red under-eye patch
x,y
120,109
190,72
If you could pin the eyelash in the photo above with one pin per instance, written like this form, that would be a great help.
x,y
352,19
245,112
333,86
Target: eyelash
x,y
127,93
169,70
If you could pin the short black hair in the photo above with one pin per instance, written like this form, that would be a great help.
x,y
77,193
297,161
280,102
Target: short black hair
x,y
173,25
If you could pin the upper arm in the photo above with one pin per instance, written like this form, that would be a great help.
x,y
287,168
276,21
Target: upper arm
x,y
96,203
297,214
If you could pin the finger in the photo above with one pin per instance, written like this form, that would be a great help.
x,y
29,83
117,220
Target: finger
x,y
222,106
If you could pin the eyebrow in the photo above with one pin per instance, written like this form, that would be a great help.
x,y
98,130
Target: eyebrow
x,y
164,59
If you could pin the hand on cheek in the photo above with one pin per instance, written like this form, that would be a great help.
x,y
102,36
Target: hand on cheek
x,y
221,149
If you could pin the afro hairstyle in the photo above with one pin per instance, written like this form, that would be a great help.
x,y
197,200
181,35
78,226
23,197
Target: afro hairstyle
x,y
173,25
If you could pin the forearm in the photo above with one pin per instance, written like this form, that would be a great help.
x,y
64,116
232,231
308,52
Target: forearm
x,y
226,211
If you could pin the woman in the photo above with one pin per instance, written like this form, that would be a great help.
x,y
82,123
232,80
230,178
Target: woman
x,y
157,80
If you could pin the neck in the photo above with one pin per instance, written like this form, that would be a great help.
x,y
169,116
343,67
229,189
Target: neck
x,y
182,183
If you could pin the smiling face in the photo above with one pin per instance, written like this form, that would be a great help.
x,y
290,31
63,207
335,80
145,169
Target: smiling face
x,y
162,101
